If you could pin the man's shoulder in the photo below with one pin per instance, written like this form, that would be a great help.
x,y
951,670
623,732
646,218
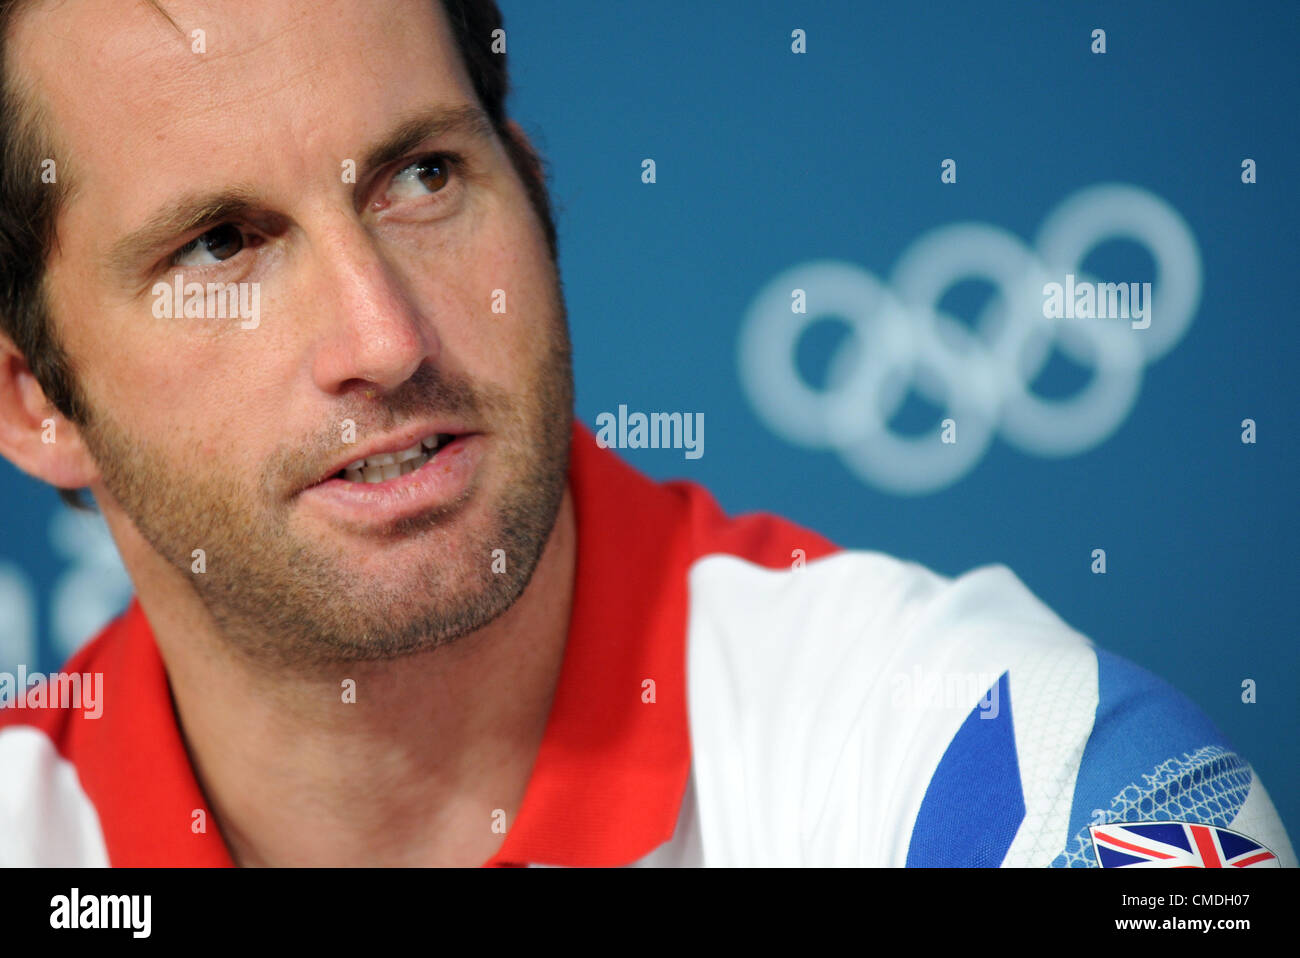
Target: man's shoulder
x,y
49,746
818,606
903,717
834,686
55,705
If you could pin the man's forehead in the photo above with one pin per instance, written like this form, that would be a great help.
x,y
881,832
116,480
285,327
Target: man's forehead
x,y
142,103
205,55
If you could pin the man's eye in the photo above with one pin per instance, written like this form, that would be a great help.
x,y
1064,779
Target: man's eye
x,y
217,244
429,175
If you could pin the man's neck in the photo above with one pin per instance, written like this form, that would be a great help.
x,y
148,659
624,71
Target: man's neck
x,y
425,767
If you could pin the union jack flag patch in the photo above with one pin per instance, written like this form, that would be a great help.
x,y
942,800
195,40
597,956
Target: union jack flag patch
x,y
1176,845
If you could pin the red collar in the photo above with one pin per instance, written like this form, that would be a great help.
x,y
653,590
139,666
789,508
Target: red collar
x,y
612,769
609,778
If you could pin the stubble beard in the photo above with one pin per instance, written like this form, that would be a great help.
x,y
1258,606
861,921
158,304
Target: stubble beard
x,y
284,600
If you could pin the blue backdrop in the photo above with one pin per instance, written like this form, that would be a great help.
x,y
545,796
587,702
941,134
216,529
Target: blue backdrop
x,y
823,171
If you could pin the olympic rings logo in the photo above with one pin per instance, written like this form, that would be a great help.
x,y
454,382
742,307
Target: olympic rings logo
x,y
982,374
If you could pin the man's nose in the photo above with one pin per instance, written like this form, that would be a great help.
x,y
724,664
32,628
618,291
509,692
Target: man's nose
x,y
372,332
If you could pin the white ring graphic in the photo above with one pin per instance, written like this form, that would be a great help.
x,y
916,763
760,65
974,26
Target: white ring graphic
x,y
901,340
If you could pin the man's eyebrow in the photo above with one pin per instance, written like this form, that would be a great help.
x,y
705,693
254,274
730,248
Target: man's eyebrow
x,y
190,212
204,210
428,124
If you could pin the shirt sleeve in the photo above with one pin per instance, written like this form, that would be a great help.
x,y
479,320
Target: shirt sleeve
x,y
1150,780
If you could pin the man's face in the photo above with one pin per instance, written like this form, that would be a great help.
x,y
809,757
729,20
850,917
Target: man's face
x,y
408,291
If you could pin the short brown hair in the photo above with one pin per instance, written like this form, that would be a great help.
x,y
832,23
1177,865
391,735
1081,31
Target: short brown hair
x,y
29,207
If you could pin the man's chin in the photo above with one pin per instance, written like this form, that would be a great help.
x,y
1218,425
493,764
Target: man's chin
x,y
311,585
341,595
404,630
350,608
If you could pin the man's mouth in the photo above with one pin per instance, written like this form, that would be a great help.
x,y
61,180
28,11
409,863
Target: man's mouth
x,y
390,483
391,465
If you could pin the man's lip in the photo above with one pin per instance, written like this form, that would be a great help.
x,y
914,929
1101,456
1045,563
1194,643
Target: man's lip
x,y
392,443
438,491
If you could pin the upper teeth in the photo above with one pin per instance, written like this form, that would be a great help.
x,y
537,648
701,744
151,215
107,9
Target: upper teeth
x,y
390,465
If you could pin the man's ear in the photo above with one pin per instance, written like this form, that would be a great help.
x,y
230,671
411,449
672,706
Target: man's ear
x,y
35,436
